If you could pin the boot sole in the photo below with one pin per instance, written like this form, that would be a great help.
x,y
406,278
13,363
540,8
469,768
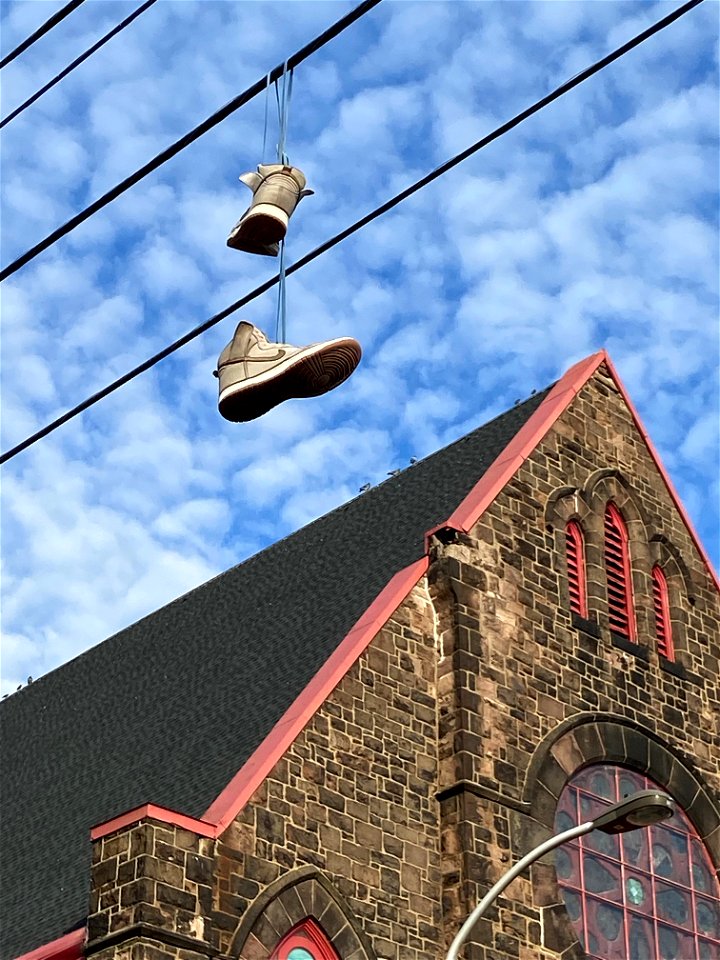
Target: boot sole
x,y
264,224
310,373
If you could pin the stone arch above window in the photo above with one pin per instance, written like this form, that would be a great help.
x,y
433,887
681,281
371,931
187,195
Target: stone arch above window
x,y
611,484
664,552
565,504
301,895
592,739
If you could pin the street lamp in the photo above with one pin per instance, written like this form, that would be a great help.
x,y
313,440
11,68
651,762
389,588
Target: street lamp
x,y
642,809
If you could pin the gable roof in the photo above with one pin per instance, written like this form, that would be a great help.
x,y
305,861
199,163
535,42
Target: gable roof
x,y
169,709
190,707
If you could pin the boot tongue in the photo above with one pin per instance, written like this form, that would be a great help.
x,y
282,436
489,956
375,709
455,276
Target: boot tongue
x,y
261,338
244,335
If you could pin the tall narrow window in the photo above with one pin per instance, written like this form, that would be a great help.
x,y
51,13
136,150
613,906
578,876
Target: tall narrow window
x,y
575,549
617,567
306,941
663,628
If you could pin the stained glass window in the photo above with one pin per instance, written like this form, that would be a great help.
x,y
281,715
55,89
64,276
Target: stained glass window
x,y
650,894
306,941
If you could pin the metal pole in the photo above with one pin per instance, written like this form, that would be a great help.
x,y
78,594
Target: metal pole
x,y
507,878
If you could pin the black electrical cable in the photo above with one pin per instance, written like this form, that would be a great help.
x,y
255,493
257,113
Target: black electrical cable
x,y
76,63
368,218
51,22
259,87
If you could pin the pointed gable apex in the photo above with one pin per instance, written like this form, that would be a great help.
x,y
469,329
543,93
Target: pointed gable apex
x,y
466,515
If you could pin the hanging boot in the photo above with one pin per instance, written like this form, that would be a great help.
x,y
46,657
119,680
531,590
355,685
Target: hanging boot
x,y
277,190
256,375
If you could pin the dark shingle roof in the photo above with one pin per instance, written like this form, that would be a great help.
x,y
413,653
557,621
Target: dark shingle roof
x,y
168,710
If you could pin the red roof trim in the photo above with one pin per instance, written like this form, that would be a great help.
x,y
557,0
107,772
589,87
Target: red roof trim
x,y
223,810
663,472
466,515
68,947
153,812
246,781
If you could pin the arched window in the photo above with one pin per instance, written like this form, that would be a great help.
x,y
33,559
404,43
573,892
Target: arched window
x,y
575,549
306,941
663,628
617,568
652,892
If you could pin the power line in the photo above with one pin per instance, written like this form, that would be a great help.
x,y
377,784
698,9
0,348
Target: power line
x,y
51,22
259,87
344,234
76,63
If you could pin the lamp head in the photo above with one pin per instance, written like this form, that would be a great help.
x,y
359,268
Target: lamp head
x,y
641,809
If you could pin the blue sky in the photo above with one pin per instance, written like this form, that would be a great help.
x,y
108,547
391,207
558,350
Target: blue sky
x,y
594,224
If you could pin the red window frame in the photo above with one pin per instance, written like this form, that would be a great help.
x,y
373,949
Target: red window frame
x,y
577,583
661,603
618,574
308,935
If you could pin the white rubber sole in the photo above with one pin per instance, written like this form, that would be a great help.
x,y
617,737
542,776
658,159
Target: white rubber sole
x,y
313,371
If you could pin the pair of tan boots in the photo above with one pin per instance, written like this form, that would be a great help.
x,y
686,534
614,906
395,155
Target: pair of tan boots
x,y
255,374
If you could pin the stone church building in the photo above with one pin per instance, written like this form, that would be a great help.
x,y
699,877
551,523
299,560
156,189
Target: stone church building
x,y
334,749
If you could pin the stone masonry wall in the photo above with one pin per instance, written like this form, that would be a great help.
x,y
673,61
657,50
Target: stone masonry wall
x,y
518,667
352,803
355,798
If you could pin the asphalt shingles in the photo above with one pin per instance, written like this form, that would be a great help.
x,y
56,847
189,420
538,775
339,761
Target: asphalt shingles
x,y
168,710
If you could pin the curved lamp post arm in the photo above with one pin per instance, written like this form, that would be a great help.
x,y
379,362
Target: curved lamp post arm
x,y
508,878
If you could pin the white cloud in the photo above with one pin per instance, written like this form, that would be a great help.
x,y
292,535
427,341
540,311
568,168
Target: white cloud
x,y
594,223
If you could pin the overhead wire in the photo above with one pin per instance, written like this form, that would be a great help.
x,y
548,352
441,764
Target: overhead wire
x,y
44,28
76,63
353,228
202,128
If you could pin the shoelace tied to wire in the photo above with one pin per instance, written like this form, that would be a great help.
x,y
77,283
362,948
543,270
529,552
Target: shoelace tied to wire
x,y
189,138
353,228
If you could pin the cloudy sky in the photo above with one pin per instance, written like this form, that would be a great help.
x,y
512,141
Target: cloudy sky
x,y
594,224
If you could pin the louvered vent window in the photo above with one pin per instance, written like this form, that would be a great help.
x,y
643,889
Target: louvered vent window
x,y
663,629
575,548
617,567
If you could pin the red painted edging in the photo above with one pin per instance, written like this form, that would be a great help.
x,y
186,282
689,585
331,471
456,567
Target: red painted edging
x,y
663,472
246,781
236,794
153,812
68,947
469,511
